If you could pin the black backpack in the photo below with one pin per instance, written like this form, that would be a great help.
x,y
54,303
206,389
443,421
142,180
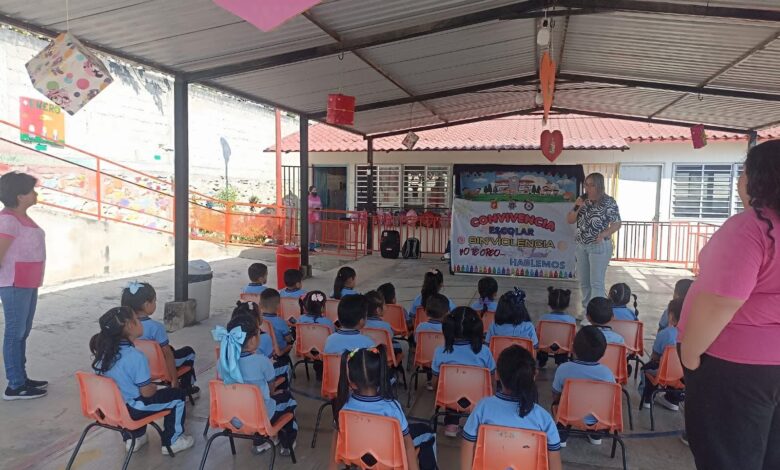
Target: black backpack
x,y
411,248
390,244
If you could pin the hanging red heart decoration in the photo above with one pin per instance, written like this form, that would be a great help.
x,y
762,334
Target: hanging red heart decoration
x,y
552,144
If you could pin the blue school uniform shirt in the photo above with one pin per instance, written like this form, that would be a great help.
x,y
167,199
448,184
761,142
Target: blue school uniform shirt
x,y
296,293
664,338
253,288
462,354
479,304
266,345
154,330
576,369
502,410
347,291
281,328
306,318
417,302
130,372
664,321
430,325
621,312
257,370
558,316
611,336
377,322
523,330
378,406
347,340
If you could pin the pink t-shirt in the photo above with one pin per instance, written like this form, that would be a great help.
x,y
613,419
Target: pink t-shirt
x,y
24,262
741,262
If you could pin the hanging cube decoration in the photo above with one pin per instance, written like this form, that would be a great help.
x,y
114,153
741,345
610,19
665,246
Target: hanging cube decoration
x,y
341,109
266,14
698,136
410,140
68,73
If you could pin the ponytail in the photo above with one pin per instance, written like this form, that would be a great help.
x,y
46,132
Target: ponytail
x,y
558,299
463,323
342,276
105,345
366,368
488,288
516,370
431,285
636,310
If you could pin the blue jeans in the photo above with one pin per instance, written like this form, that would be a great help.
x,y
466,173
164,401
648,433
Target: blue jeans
x,y
19,309
592,262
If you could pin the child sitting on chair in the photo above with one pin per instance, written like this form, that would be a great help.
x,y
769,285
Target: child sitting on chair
x,y
664,338
681,288
620,295
293,284
265,345
488,289
432,284
599,313
436,308
240,363
376,306
314,309
258,276
269,305
512,318
352,318
344,284
558,301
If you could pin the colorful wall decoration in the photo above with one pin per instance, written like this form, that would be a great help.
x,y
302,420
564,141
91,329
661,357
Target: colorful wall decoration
x,y
41,122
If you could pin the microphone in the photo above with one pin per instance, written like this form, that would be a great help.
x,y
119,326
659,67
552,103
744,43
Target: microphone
x,y
576,206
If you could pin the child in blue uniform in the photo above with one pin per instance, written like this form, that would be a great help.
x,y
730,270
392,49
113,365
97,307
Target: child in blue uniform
x,y
432,284
558,300
240,363
269,305
512,318
116,358
620,295
265,344
293,284
680,291
436,308
363,373
515,406
488,289
258,276
599,313
589,347
352,317
388,292
142,299
664,338
344,284
314,308
462,330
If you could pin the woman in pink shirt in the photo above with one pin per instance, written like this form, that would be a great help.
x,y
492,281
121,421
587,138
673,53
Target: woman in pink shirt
x,y
22,261
315,206
730,330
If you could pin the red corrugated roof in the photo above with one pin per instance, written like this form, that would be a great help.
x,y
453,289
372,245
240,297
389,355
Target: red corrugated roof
x,y
513,133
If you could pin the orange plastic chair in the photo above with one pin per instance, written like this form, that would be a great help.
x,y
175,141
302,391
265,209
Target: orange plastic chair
x,y
460,389
244,403
501,447
289,308
633,333
420,316
332,309
364,434
268,328
499,343
310,342
380,336
583,398
615,358
668,379
101,401
331,368
250,298
488,318
427,342
157,368
394,315
558,333
216,367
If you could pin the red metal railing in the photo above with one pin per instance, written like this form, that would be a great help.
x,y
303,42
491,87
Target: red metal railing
x,y
663,242
433,231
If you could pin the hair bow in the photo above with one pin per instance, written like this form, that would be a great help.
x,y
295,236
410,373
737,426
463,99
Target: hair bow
x,y
317,297
519,295
134,287
231,344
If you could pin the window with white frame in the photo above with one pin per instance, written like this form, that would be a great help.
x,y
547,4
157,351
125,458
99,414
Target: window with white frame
x,y
405,186
705,191
387,186
738,206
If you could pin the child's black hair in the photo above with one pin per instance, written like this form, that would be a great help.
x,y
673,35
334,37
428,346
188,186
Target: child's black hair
x,y
599,310
247,308
374,302
345,273
257,271
351,310
105,345
511,309
437,306
145,293
590,344
292,277
365,368
620,294
681,288
675,309
269,300
314,303
517,371
488,288
558,299
432,282
463,323
388,291
247,324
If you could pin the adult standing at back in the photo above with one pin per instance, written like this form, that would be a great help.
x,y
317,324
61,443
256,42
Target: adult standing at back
x,y
315,206
597,217
730,330
22,261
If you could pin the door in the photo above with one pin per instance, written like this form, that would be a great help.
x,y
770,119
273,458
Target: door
x,y
331,183
639,192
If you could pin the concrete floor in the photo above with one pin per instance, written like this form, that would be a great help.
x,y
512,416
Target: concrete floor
x,y
42,433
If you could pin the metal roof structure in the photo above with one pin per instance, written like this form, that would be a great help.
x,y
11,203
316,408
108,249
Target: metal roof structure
x,y
421,64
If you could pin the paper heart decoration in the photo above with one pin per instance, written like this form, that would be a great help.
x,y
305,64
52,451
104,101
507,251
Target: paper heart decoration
x,y
552,144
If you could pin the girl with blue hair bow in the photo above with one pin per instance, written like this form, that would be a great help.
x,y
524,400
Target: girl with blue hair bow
x,y
240,363
512,318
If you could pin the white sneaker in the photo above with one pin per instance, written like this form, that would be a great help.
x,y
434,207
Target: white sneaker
x,y
429,386
646,405
563,444
264,447
596,441
139,442
184,442
661,400
451,430
286,452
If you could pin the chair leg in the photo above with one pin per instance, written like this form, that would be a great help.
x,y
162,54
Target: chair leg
x,y
617,439
317,423
306,366
652,408
78,446
628,406
435,419
403,375
192,400
206,428
159,431
232,444
208,446
273,453
129,452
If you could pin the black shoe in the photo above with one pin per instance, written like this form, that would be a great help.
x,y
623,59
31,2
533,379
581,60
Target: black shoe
x,y
41,384
23,393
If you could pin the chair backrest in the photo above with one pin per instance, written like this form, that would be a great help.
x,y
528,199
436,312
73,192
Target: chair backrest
x,y
488,318
458,382
331,369
216,352
615,359
670,370
427,342
242,402
244,297
503,448
395,316
290,307
375,435
268,328
381,336
332,309
420,316
499,343
154,354
585,398
310,336
632,332
556,332
101,400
